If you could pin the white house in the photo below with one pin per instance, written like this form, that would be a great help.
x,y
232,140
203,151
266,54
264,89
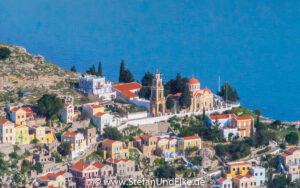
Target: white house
x,y
67,113
96,85
224,183
77,141
103,120
223,120
260,174
128,91
226,131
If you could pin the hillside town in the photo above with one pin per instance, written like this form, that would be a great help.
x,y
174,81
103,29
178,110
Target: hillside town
x,y
133,133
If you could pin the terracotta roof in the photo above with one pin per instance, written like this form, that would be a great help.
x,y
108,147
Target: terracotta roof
x,y
190,137
145,136
175,95
70,134
14,109
110,160
239,176
292,150
3,121
67,105
244,117
97,106
80,166
285,154
98,165
125,89
205,90
44,178
221,179
137,138
193,81
55,175
26,109
109,141
128,86
128,93
295,122
248,176
99,114
239,164
167,138
222,116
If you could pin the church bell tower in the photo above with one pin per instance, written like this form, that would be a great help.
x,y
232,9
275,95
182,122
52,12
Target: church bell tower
x,y
157,99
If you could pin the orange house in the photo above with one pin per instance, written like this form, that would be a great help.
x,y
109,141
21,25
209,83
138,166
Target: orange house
x,y
244,125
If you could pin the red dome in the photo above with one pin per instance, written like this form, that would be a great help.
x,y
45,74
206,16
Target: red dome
x,y
193,81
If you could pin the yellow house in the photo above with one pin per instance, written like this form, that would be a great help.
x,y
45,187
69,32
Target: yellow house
x,y
20,115
291,160
54,179
42,134
114,149
248,181
189,142
238,168
167,145
92,109
22,134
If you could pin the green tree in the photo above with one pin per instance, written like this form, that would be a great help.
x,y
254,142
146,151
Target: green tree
x,y
170,103
38,167
122,70
50,105
92,70
125,74
4,53
112,133
280,181
179,85
26,165
228,92
147,79
65,148
221,149
292,138
19,179
145,91
258,113
185,99
99,73
275,124
73,69
165,171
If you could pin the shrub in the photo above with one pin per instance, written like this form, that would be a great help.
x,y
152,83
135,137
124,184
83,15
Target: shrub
x,y
4,53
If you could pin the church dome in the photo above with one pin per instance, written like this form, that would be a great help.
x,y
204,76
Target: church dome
x,y
193,81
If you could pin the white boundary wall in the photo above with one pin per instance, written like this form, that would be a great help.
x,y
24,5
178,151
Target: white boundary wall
x,y
151,120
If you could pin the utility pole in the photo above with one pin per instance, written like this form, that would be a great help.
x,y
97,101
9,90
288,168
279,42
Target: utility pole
x,y
219,87
226,92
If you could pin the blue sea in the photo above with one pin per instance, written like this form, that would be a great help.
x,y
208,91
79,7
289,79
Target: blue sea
x,y
252,44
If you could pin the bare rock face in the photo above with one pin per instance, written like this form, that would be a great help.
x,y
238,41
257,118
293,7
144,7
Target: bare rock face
x,y
206,153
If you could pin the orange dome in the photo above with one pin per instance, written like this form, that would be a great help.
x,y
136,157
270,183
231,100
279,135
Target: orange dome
x,y
193,81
